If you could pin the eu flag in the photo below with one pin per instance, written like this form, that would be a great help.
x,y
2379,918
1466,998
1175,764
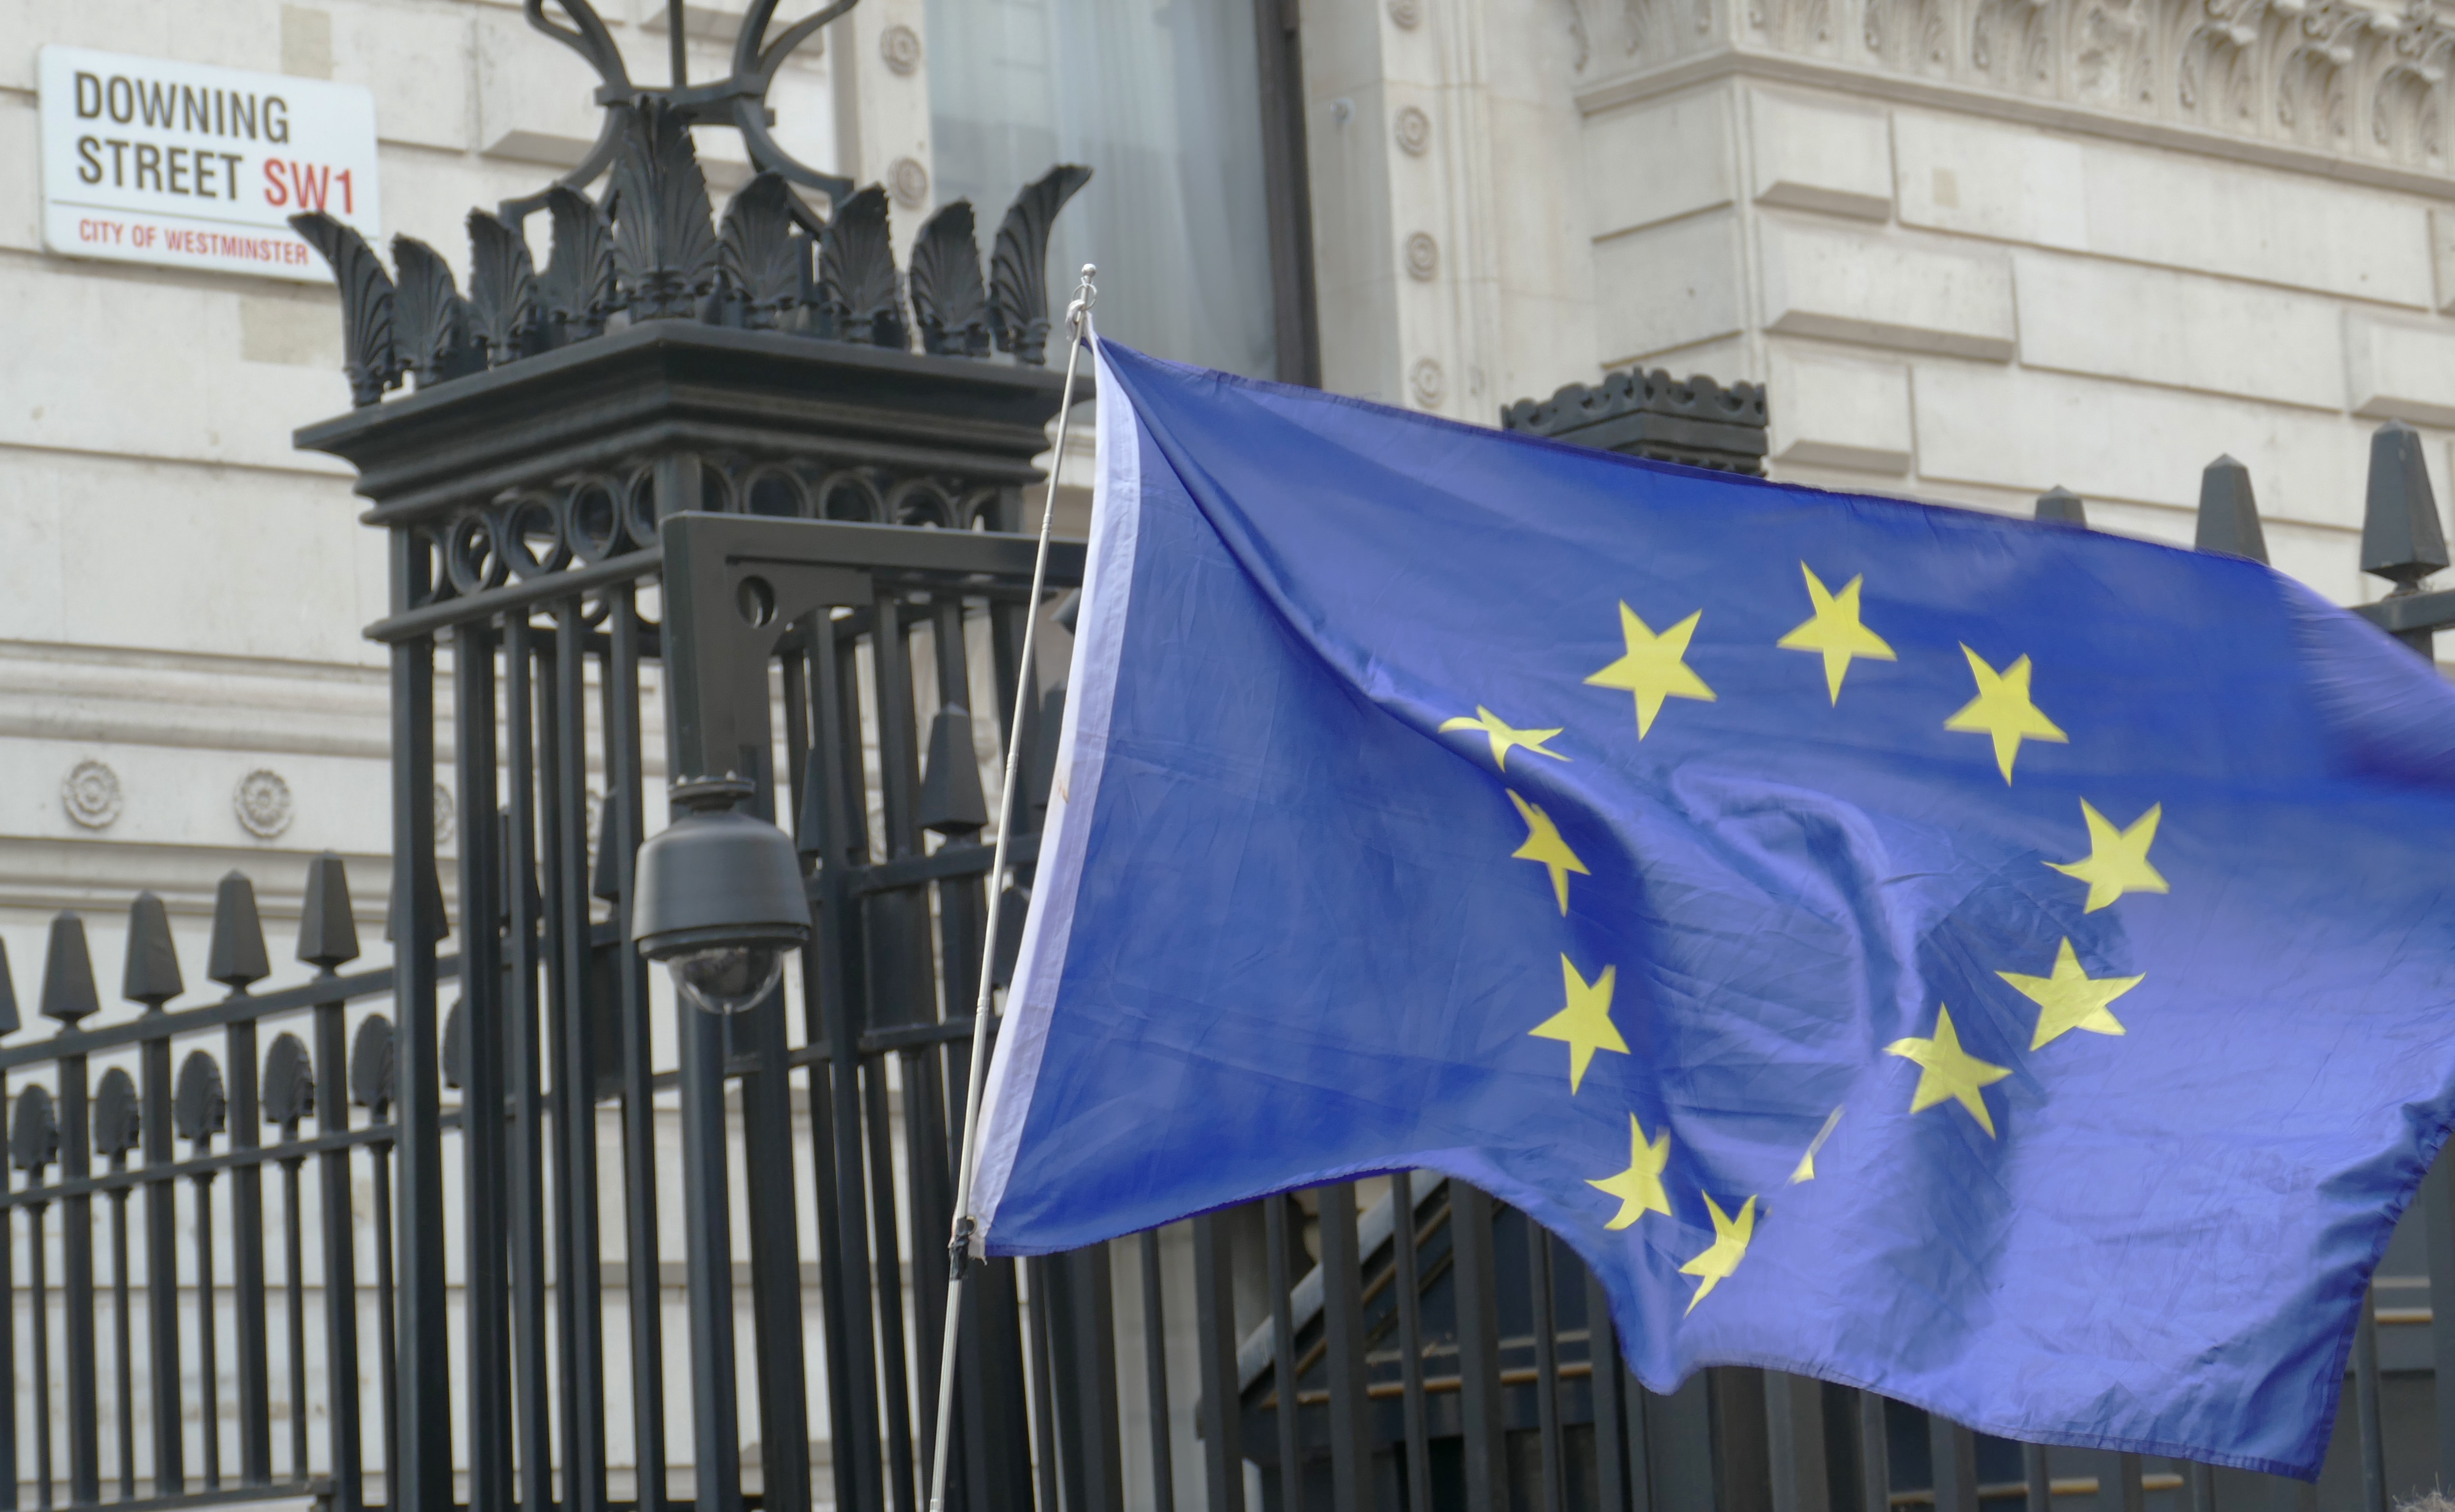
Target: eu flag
x,y
2004,966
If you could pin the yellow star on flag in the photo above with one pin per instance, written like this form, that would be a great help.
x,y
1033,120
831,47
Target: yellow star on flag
x,y
2118,859
1504,736
1585,1024
2002,709
1654,667
1729,1246
2071,998
1544,845
1805,1170
1835,631
1639,1187
1946,1071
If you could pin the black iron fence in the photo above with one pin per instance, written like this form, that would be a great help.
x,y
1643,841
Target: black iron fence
x,y
227,1279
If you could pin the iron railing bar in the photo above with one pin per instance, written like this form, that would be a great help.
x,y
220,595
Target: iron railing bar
x,y
1478,1329
76,1264
1875,1453
237,1008
2372,1424
578,1296
9,1334
532,1436
295,1279
414,506
623,826
1609,1385
1044,1406
245,1118
123,1360
344,1425
42,1311
1343,1336
825,825
1404,1258
162,1259
1218,1412
1954,1451
485,1144
1155,1373
946,863
886,1253
228,1160
1285,1382
387,1310
209,1370
1373,1230
2041,1490
1544,1321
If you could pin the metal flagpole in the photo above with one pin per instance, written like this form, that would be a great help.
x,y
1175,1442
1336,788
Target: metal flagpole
x,y
1078,322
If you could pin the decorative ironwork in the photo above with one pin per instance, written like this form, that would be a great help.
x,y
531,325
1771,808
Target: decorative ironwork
x,y
371,360
764,257
579,288
649,247
1018,272
664,246
1651,414
502,289
859,295
431,320
949,302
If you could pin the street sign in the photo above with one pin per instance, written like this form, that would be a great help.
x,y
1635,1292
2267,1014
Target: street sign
x,y
184,165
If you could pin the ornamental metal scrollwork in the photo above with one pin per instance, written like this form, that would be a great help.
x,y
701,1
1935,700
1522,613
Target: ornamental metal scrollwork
x,y
648,246
949,302
1018,276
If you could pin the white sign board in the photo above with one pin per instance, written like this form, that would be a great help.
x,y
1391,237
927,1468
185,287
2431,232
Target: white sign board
x,y
190,166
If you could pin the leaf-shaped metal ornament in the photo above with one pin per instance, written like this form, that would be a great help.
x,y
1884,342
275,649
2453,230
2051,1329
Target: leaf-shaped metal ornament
x,y
578,288
664,241
502,289
857,282
434,319
116,1122
949,302
198,1109
1018,267
371,1065
289,1082
370,360
34,1133
765,259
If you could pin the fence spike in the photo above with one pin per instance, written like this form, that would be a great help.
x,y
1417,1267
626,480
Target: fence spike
x,y
289,1082
371,1064
9,1022
68,991
35,1135
327,931
199,1109
950,783
2059,503
237,957
117,1121
430,892
152,976
2229,513
2402,540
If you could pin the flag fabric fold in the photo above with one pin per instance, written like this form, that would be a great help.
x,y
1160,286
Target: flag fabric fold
x,y
2004,966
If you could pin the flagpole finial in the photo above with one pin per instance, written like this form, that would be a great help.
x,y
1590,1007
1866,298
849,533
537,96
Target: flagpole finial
x,y
1086,293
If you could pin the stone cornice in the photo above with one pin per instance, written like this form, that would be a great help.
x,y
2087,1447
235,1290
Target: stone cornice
x,y
2324,88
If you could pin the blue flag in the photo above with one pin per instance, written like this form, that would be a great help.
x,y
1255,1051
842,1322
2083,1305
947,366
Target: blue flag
x,y
2006,967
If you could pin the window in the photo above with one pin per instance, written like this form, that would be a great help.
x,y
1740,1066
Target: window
x,y
1162,99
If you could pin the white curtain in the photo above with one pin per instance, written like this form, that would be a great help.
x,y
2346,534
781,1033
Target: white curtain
x,y
1161,98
